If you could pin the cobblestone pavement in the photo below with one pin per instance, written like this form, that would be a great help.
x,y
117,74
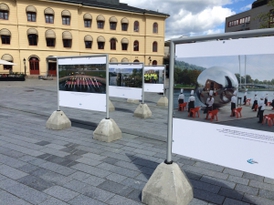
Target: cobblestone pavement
x,y
47,167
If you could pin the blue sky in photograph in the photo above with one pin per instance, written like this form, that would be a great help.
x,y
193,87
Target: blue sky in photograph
x,y
193,17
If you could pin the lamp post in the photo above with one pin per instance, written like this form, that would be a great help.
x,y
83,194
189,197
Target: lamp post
x,y
25,68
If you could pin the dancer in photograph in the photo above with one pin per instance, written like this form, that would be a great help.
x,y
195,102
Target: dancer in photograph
x,y
191,102
255,102
181,97
233,103
209,103
261,106
245,94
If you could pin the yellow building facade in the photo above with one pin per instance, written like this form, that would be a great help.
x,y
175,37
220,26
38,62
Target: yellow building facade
x,y
33,33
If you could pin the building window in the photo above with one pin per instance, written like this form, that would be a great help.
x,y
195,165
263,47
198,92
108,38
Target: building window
x,y
49,18
32,39
154,46
154,62
124,46
155,28
67,43
136,46
101,45
4,15
31,16
112,25
124,26
100,24
136,26
87,23
271,18
50,42
113,44
66,20
5,39
88,44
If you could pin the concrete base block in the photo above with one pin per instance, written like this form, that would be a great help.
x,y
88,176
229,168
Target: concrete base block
x,y
58,121
134,101
107,131
142,111
163,101
168,185
111,106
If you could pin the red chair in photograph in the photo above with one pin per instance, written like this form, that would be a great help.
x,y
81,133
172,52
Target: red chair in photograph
x,y
269,119
194,111
213,114
182,106
238,112
255,108
248,101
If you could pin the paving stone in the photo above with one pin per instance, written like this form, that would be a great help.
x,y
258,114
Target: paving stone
x,y
231,193
253,176
35,182
61,193
209,166
122,200
195,201
98,194
257,200
118,170
205,186
229,201
9,199
91,170
238,180
93,180
53,201
11,172
208,196
134,183
266,194
84,200
261,185
233,172
42,143
219,182
268,180
247,189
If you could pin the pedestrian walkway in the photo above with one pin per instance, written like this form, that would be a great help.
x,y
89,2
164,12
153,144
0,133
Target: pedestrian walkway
x,y
47,167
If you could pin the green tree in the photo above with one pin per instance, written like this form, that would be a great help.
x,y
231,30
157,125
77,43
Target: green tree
x,y
267,19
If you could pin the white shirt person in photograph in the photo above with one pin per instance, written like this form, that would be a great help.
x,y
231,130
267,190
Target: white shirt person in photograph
x,y
261,106
245,94
191,101
181,97
233,103
209,103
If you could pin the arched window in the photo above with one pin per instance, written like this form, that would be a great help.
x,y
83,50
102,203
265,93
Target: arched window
x,y
87,20
67,39
66,17
9,58
88,41
155,28
32,37
154,46
136,46
49,15
136,61
31,13
136,26
113,43
112,23
5,36
124,43
100,21
154,62
50,38
4,11
101,42
124,24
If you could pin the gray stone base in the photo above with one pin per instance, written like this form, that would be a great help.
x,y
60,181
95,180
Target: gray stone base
x,y
168,185
58,121
142,111
163,101
134,101
107,131
111,107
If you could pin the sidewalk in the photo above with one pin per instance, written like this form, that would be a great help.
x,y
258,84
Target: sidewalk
x,y
47,167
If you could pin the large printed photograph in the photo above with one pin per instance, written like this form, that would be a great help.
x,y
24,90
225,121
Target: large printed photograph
x,y
230,90
125,77
87,78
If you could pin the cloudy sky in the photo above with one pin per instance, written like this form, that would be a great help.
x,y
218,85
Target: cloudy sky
x,y
193,17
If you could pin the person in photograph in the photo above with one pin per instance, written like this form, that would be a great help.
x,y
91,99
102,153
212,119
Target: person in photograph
x,y
181,97
233,103
272,103
261,107
209,103
245,94
255,102
266,99
191,102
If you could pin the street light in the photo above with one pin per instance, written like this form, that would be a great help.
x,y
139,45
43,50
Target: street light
x,y
25,68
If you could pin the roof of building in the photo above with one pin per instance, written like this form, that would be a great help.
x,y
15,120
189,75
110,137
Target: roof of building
x,y
113,4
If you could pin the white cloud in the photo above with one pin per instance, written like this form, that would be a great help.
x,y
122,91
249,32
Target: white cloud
x,y
189,17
